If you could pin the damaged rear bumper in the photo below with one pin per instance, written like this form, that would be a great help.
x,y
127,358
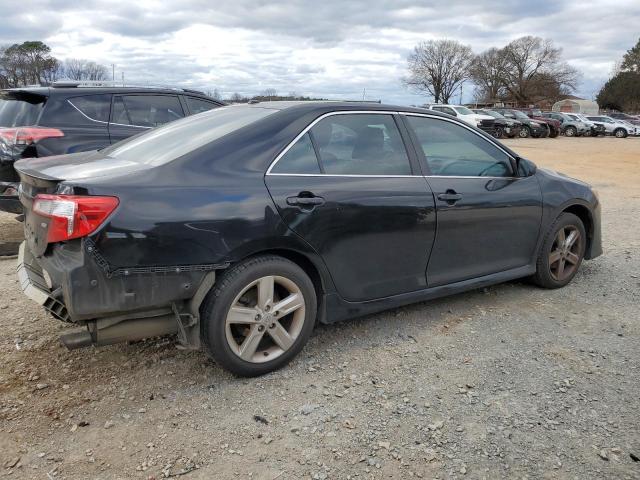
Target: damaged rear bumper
x,y
76,293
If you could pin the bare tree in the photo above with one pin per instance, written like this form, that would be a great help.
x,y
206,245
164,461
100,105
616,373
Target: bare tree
x,y
488,71
534,64
80,69
269,93
439,68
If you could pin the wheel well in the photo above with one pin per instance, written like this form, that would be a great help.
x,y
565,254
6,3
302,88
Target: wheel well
x,y
583,214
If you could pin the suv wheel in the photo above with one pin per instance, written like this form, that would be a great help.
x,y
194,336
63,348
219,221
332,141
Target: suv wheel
x,y
620,133
498,132
561,253
570,131
259,316
525,131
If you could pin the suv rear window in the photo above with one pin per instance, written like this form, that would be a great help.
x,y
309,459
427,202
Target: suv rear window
x,y
164,144
96,107
146,110
19,109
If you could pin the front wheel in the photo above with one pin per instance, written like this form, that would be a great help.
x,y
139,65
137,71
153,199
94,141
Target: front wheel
x,y
620,133
525,132
562,252
570,131
259,316
498,132
553,133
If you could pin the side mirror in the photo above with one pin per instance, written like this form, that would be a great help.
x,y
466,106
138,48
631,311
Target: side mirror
x,y
525,167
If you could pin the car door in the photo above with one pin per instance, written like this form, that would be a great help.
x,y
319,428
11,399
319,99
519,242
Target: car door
x,y
350,189
136,113
488,218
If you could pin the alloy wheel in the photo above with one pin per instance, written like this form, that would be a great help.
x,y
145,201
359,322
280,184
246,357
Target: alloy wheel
x,y
265,319
565,253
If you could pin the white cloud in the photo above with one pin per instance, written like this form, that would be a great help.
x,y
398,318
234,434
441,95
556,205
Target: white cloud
x,y
332,49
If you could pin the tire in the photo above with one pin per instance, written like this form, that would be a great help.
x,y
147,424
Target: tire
x,y
224,332
620,133
570,131
553,133
498,132
552,255
525,132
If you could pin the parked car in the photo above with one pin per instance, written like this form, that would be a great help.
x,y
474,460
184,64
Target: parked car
x,y
530,127
503,126
71,117
535,113
634,120
570,126
483,122
595,129
614,127
240,228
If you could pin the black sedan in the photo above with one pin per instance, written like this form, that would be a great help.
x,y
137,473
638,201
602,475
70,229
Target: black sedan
x,y
240,228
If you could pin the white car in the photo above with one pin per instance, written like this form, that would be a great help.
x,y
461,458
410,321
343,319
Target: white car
x,y
464,114
614,127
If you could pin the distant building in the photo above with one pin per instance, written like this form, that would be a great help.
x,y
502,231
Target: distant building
x,y
576,105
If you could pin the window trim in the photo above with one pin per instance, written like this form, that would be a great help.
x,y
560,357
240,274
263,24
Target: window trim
x,y
392,113
68,100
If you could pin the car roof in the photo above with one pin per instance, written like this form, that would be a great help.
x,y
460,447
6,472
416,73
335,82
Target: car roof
x,y
303,107
68,91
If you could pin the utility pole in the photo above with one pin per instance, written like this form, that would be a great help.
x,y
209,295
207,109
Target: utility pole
x,y
364,92
113,72
122,78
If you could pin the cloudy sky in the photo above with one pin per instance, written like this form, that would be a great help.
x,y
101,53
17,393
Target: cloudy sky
x,y
325,48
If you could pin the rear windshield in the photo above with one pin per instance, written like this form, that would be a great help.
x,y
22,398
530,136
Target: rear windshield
x,y
175,139
19,109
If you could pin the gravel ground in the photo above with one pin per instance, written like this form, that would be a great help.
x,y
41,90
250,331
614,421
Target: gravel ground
x,y
508,382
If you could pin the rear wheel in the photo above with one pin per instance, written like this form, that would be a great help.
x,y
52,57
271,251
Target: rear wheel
x,y
553,132
570,131
562,252
259,316
498,132
620,133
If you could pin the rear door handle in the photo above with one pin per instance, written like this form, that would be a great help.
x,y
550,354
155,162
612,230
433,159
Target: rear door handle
x,y
450,196
305,201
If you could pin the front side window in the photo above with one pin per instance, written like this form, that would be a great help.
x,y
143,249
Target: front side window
x,y
146,110
300,158
453,150
360,144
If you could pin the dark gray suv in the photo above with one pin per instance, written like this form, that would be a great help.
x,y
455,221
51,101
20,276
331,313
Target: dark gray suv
x,y
70,117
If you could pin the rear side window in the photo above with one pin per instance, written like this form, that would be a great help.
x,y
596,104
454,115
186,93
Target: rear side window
x,y
452,150
176,139
198,105
360,144
19,110
146,110
95,107
300,158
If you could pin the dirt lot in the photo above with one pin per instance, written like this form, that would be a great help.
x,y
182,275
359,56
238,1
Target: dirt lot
x,y
508,382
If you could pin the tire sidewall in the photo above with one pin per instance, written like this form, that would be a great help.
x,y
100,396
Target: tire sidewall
x,y
543,270
219,300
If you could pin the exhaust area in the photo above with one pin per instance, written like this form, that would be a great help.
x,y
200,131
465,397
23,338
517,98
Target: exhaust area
x,y
108,331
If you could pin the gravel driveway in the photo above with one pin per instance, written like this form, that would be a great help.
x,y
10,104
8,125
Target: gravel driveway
x,y
508,382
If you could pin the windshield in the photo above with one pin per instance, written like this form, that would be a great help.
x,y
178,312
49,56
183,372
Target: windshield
x,y
175,139
574,117
463,110
19,109
520,115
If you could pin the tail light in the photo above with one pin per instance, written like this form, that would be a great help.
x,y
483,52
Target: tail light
x,y
73,216
28,135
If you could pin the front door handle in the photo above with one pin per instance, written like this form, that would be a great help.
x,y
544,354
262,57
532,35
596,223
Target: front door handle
x,y
450,196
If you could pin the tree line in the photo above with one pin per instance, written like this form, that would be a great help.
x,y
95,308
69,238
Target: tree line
x,y
622,91
527,70
31,63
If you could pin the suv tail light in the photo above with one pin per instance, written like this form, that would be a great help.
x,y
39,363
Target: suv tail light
x,y
28,135
73,216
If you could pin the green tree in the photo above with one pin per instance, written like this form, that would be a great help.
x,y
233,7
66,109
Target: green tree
x,y
622,92
631,59
28,63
